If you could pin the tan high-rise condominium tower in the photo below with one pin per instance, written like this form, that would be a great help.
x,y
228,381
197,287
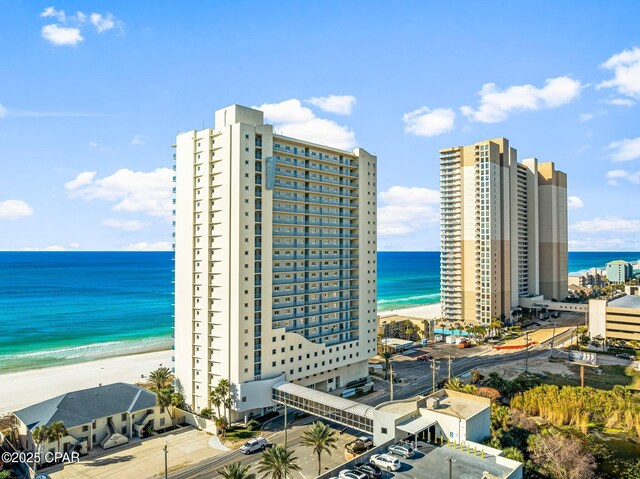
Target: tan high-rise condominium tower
x,y
275,262
503,231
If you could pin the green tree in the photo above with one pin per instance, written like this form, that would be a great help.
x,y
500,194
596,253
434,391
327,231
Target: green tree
x,y
56,432
321,438
513,453
206,413
236,470
278,462
387,363
455,384
161,378
40,436
221,425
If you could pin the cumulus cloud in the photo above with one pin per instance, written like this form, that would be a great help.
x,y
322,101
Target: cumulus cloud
x,y
574,202
125,225
102,23
144,246
82,179
626,73
625,150
427,122
14,209
619,102
3,111
55,247
406,210
339,104
139,140
52,12
496,105
614,175
290,118
610,223
133,191
57,35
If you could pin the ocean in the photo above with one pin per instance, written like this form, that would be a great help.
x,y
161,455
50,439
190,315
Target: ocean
x,y
65,307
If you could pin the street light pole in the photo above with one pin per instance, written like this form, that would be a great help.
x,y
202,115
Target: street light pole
x,y
285,425
450,460
166,469
526,357
391,382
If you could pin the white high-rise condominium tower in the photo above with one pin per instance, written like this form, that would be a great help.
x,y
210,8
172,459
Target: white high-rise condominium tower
x,y
503,231
275,262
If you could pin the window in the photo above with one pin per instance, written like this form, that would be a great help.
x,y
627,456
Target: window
x,y
383,430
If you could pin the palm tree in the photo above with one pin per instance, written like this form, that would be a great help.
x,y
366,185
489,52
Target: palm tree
x,y
221,425
56,432
161,378
236,470
455,384
278,463
387,363
40,435
321,438
216,399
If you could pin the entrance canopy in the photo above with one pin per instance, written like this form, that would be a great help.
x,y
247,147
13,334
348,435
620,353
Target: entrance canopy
x,y
416,425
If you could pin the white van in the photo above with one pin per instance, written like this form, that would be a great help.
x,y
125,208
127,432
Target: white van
x,y
253,445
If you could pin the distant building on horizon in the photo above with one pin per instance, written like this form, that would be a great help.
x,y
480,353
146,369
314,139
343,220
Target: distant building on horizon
x,y
503,231
275,262
619,271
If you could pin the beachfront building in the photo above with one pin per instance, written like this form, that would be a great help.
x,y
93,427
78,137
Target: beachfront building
x,y
619,271
617,320
99,417
503,231
275,262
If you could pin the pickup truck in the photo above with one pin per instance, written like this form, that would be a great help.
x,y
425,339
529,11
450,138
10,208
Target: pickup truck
x,y
359,444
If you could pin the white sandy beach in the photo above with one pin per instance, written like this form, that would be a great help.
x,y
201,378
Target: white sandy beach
x,y
24,388
427,311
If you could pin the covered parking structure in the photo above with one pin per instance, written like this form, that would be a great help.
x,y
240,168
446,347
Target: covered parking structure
x,y
339,410
415,426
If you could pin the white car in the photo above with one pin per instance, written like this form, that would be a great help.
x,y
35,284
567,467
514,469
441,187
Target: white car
x,y
351,474
253,445
385,461
401,450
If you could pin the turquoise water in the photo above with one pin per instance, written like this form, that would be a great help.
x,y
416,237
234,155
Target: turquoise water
x,y
60,308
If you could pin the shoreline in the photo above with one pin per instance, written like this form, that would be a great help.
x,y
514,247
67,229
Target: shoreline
x,y
425,311
27,386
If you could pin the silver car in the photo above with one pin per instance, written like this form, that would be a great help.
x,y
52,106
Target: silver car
x,y
401,450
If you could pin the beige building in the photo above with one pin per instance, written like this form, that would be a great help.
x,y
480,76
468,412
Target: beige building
x,y
618,319
503,230
275,262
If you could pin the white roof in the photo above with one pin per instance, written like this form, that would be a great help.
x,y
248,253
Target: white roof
x,y
342,404
415,425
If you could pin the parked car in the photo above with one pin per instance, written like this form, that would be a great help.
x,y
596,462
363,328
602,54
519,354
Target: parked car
x,y
401,450
371,470
385,461
424,357
359,444
352,474
253,445
624,356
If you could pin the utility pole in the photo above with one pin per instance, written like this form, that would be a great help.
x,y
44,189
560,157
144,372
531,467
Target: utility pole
x,y
285,425
433,375
391,382
450,366
526,357
166,469
553,339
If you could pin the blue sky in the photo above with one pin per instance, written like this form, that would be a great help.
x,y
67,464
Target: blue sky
x,y
92,95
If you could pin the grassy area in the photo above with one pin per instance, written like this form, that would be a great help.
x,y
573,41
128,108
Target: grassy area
x,y
236,433
602,377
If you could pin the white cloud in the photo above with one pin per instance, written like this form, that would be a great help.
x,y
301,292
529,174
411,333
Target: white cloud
x,y
614,175
339,104
52,12
587,116
3,111
74,245
102,23
603,244
290,118
626,73
54,247
574,202
139,140
619,102
607,224
14,209
426,122
133,191
496,104
625,150
82,179
406,210
58,35
125,225
144,246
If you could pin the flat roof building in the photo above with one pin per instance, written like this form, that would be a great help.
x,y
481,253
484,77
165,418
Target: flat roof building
x,y
275,262
619,271
503,231
618,319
